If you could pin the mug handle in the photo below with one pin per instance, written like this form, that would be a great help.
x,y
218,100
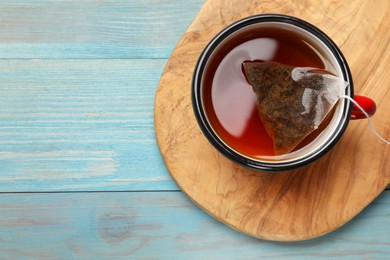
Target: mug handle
x,y
366,103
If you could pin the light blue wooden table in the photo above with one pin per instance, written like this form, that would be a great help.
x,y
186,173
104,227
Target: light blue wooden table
x,y
80,171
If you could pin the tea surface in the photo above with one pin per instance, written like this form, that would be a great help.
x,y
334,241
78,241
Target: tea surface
x,y
229,100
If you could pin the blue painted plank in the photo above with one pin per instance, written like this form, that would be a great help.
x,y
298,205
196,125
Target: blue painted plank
x,y
70,125
163,225
80,125
93,29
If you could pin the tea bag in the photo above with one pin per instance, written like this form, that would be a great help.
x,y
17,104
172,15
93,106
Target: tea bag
x,y
292,101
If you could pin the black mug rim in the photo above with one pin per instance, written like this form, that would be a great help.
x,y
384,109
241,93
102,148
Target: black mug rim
x,y
217,141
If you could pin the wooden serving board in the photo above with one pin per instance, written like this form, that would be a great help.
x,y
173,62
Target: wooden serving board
x,y
299,204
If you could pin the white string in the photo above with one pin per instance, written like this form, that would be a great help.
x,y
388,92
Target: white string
x,y
368,118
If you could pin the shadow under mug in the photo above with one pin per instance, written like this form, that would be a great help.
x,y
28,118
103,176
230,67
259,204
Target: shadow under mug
x,y
328,137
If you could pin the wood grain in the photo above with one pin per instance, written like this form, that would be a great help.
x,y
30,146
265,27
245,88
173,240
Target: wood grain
x,y
162,225
296,205
79,125
93,29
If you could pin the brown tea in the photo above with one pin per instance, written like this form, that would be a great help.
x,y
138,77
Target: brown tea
x,y
229,100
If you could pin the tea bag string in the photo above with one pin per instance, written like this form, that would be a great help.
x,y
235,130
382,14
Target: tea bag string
x,y
368,118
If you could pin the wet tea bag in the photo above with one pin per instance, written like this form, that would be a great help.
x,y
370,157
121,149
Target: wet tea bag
x,y
292,101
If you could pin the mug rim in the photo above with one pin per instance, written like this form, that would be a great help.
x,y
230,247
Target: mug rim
x,y
229,152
